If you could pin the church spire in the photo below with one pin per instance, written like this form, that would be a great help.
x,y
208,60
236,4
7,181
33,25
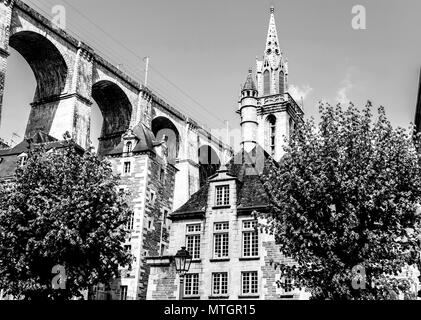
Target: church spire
x,y
273,51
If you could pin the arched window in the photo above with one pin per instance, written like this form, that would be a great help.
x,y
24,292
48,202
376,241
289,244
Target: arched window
x,y
271,124
129,147
266,83
291,127
281,82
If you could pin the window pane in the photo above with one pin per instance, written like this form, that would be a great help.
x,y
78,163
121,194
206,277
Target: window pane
x,y
222,196
193,245
249,283
281,82
191,284
246,244
219,283
266,82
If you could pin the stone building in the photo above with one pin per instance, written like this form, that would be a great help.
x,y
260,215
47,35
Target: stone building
x,y
13,157
232,259
70,76
148,180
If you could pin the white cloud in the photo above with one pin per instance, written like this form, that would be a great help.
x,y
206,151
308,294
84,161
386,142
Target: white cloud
x,y
346,86
300,92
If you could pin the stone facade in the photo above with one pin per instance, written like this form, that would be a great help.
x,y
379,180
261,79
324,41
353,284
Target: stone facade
x,y
208,261
232,257
70,76
148,181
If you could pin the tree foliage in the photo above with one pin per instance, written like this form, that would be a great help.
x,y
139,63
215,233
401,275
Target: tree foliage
x,y
344,199
63,209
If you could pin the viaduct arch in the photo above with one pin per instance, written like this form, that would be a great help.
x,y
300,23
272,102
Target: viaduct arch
x,y
70,75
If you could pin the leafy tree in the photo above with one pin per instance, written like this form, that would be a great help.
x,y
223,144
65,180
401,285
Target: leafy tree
x,y
62,209
344,202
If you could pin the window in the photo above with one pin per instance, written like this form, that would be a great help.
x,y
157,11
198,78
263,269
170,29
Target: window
x,y
287,285
163,249
222,196
219,284
194,228
191,285
123,292
165,217
249,283
128,248
266,83
22,159
291,127
250,239
271,122
162,175
130,223
127,168
152,197
129,147
193,240
281,82
220,240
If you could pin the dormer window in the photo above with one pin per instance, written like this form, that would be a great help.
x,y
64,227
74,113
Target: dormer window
x,y
129,147
22,159
222,196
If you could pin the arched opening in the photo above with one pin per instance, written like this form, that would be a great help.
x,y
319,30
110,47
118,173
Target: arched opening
x,y
271,134
163,126
281,82
116,111
45,60
209,163
19,89
266,83
36,70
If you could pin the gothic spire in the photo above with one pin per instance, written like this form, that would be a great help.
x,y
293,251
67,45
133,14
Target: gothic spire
x,y
273,51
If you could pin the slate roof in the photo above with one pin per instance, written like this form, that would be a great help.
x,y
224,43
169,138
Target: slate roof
x,y
8,157
146,141
250,190
249,84
3,145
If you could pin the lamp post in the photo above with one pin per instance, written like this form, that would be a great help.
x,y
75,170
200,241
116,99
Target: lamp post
x,y
182,266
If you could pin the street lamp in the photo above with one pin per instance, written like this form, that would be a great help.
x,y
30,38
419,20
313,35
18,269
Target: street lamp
x,y
182,266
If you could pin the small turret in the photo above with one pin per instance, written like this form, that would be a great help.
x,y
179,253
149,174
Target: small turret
x,y
248,111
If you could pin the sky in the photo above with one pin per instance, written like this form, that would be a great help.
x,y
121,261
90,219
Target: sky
x,y
200,52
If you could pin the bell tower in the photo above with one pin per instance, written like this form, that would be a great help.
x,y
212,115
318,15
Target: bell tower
x,y
277,111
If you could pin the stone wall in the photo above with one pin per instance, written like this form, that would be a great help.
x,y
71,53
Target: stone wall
x,y
150,186
234,265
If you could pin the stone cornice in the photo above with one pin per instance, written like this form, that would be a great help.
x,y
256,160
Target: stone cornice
x,y
192,215
61,97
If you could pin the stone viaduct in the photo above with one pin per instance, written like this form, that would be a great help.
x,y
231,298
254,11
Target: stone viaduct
x,y
70,75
